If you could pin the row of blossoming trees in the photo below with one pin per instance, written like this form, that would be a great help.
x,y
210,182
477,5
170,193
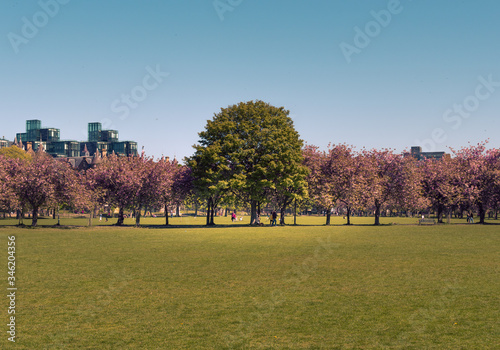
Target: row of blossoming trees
x,y
38,181
250,156
380,179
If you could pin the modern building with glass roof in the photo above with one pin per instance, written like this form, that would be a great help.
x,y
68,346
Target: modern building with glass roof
x,y
100,142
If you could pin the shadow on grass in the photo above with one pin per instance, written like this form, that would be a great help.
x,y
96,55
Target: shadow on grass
x,y
45,223
201,226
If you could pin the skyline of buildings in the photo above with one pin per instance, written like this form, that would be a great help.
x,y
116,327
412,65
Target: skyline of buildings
x,y
99,141
103,141
416,152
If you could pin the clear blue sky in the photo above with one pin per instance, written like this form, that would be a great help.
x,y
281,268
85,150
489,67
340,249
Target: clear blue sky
x,y
424,70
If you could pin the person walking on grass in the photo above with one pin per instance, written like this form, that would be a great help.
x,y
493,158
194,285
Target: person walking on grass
x,y
274,216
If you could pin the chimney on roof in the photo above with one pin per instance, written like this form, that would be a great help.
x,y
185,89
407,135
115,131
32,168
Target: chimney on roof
x,y
86,152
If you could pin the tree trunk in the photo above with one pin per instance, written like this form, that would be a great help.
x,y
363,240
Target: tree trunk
x,y
34,221
482,213
166,215
212,214
282,215
328,216
138,216
177,210
195,209
448,217
295,212
440,214
20,216
209,209
54,214
348,215
253,211
120,217
377,212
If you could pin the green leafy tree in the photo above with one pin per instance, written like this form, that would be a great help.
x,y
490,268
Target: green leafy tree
x,y
8,199
249,152
14,152
290,184
211,172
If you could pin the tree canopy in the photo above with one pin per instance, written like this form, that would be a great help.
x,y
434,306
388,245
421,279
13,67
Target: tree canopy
x,y
249,152
14,152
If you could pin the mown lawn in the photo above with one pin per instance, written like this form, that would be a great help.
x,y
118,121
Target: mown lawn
x,y
236,287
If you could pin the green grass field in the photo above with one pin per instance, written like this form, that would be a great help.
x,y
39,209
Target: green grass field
x,y
237,287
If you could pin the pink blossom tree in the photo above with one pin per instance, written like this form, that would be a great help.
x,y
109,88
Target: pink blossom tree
x,y
412,196
145,171
166,172
441,185
384,174
336,178
477,169
43,181
182,185
34,185
318,180
119,183
69,187
175,184
348,178
392,180
493,159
